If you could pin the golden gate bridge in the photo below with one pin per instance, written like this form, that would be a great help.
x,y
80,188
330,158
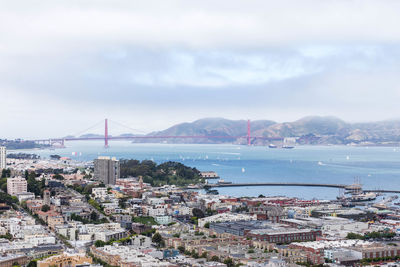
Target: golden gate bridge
x,y
106,137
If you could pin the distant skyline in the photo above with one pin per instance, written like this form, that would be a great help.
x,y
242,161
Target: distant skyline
x,y
64,65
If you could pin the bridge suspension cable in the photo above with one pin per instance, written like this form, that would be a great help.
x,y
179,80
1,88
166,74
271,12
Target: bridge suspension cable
x,y
127,127
89,128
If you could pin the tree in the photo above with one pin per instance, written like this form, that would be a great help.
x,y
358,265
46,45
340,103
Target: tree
x,y
45,208
354,236
58,177
6,198
7,236
5,173
198,213
229,262
157,238
34,186
181,249
207,225
99,243
94,216
56,157
4,187
214,258
166,173
122,203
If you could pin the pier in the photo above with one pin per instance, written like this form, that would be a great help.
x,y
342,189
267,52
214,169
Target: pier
x,y
347,187
343,186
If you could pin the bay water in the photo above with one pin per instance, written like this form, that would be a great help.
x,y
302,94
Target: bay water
x,y
376,167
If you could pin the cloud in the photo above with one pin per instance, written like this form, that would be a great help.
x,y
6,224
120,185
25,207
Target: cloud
x,y
205,23
156,63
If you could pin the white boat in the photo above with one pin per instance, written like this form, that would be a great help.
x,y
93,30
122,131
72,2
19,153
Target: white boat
x,y
363,197
289,142
221,181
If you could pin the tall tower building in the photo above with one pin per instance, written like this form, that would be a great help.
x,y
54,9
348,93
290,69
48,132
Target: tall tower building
x,y
3,155
106,170
46,197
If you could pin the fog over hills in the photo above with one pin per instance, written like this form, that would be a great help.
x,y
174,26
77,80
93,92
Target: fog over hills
x,y
311,130
308,130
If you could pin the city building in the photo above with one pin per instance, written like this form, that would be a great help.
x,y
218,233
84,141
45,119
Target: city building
x,y
284,235
12,260
106,170
46,197
126,256
163,219
25,196
3,156
209,175
226,217
16,185
65,259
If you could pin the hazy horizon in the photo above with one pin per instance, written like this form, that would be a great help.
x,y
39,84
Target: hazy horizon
x,y
116,128
66,65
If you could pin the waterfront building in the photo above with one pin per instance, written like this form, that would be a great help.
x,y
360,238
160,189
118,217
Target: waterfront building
x,y
209,175
16,185
3,155
106,170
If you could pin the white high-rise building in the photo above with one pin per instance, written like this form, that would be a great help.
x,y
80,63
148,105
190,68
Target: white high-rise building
x,y
2,157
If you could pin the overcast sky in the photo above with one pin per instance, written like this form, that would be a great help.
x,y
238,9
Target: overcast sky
x,y
65,65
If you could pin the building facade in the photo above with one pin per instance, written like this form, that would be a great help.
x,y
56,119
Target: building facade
x,y
46,197
3,153
106,170
284,237
66,259
16,185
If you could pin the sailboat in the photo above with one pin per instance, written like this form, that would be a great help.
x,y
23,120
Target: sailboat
x,y
289,142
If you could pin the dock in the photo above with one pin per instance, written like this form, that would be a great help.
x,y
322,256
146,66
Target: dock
x,y
349,187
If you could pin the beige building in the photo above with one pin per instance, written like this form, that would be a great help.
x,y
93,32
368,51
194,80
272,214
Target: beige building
x,y
65,259
52,221
10,260
16,185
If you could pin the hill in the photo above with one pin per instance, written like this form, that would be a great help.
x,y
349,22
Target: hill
x,y
209,127
307,130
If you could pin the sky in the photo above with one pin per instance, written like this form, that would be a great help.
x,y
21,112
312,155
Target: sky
x,y
66,65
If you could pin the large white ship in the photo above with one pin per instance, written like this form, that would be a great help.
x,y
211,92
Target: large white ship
x,y
363,197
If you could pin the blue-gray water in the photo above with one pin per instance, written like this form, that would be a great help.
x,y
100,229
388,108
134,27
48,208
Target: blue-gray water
x,y
377,167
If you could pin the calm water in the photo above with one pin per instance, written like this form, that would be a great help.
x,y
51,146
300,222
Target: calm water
x,y
377,167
